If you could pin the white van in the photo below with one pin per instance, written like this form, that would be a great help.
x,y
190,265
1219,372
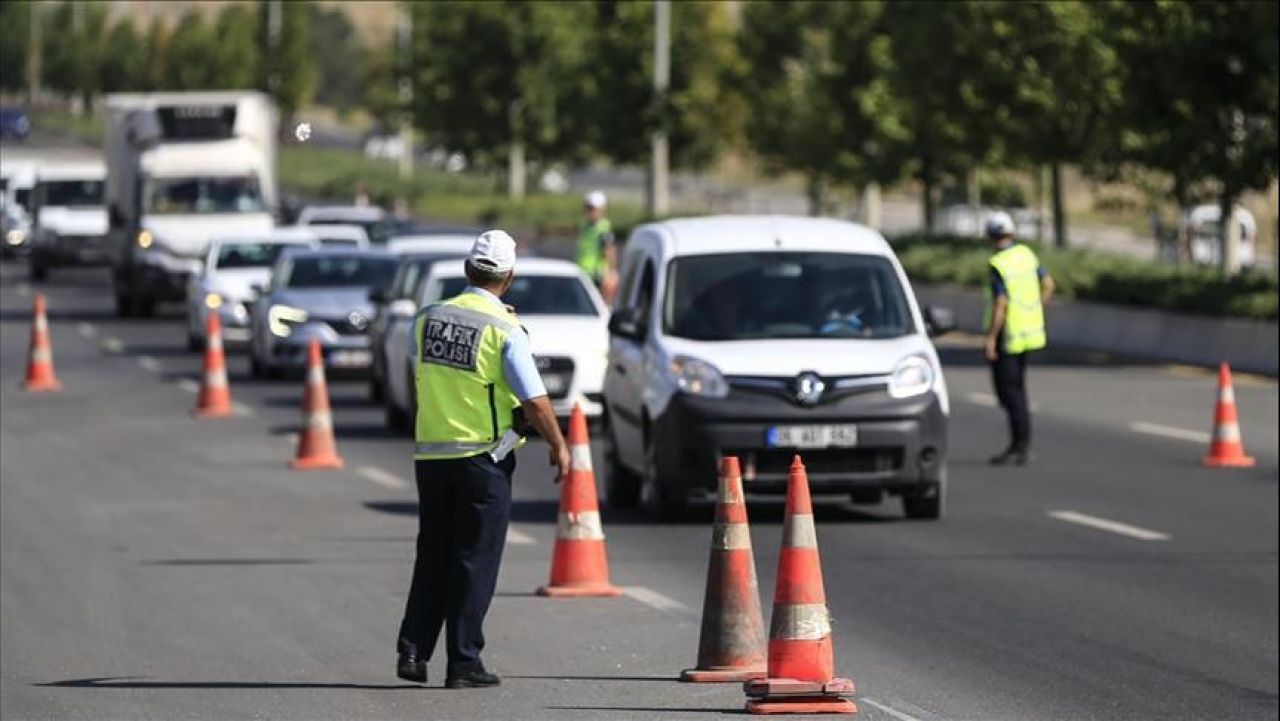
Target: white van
x,y
767,337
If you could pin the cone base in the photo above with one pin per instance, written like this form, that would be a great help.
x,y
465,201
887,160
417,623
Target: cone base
x,y
802,704
1231,462
44,386
595,590
316,463
214,412
724,675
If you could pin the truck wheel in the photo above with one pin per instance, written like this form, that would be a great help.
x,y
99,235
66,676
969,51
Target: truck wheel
x,y
928,505
124,305
622,487
37,270
657,497
144,307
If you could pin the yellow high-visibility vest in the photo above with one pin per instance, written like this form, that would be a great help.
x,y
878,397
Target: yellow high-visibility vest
x,y
1024,316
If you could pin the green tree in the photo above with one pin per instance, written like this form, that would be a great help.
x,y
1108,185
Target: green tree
x,y
123,67
189,56
287,71
155,48
15,34
340,56
69,61
235,51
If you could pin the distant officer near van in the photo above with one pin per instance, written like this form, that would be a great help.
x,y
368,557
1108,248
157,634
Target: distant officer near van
x,y
475,378
1017,292
596,253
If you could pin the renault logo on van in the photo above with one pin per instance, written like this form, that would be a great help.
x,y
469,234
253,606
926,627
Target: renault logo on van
x,y
808,388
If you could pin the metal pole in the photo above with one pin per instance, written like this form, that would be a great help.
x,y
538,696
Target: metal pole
x,y
404,36
33,55
659,197
274,22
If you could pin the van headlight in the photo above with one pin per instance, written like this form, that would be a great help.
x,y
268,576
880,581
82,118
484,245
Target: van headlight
x,y
913,376
697,377
280,316
213,301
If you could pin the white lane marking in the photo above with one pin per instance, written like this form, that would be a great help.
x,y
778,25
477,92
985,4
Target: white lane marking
x,y
653,599
23,290
241,410
888,709
149,364
382,478
112,344
188,385
1182,434
519,538
1102,524
87,330
983,399
292,438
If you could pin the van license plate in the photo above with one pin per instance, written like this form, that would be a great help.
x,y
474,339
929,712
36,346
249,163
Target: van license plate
x,y
843,436
350,358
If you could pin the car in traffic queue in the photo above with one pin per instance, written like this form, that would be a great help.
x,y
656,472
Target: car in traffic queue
x,y
320,294
14,123
763,338
68,217
337,235
374,220
555,302
16,181
233,265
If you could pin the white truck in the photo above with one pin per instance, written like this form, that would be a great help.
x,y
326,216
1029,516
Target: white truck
x,y
181,168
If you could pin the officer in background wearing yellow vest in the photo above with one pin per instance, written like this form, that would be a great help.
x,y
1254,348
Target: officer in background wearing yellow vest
x,y
596,254
1017,292
474,375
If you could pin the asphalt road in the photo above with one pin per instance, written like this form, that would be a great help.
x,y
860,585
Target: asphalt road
x,y
156,566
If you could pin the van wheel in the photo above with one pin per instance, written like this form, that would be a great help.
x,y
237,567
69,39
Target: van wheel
x,y
622,487
397,419
124,305
195,343
37,270
144,307
927,505
655,495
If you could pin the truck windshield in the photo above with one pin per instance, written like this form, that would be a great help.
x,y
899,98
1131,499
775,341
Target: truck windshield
x,y
338,271
203,195
743,296
71,193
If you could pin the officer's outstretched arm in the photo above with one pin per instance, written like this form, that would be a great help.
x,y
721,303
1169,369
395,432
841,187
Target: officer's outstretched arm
x,y
539,412
1046,289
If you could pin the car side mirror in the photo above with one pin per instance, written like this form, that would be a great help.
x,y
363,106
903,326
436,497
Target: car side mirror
x,y
626,323
402,308
939,320
258,289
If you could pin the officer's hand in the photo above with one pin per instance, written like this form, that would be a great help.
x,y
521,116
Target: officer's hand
x,y
990,349
561,460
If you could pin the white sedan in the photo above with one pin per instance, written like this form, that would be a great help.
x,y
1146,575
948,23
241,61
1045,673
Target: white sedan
x,y
557,304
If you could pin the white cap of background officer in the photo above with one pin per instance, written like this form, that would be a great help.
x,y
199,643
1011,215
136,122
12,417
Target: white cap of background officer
x,y
595,199
999,225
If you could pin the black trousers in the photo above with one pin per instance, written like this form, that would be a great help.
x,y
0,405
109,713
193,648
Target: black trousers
x,y
1009,376
463,508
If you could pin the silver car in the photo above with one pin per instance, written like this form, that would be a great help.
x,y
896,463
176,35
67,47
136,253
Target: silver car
x,y
320,294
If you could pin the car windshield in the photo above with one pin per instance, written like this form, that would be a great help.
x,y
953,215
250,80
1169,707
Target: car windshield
x,y
71,193
248,255
203,195
537,294
744,296
338,271
375,229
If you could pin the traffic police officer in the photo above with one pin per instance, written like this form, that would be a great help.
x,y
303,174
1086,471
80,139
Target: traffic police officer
x,y
1016,293
473,369
595,251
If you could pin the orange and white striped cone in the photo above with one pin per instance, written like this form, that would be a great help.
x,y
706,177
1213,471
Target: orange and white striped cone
x,y
316,447
801,660
731,646
1226,450
579,565
40,375
215,393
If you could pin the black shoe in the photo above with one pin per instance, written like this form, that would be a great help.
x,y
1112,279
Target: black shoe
x,y
478,678
409,665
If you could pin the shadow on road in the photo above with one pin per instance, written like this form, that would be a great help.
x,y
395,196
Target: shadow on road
x,y
769,512
643,709
227,562
131,682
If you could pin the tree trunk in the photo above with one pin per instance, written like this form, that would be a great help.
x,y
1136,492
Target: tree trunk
x,y
816,190
1229,256
515,171
973,186
1041,200
1059,209
871,206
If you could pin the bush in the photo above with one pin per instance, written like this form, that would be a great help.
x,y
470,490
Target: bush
x,y
1100,277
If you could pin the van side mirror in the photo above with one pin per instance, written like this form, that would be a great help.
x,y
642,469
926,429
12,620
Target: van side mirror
x,y
258,289
377,295
939,320
626,323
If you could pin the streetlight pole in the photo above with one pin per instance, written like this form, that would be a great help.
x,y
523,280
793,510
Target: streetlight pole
x,y
659,198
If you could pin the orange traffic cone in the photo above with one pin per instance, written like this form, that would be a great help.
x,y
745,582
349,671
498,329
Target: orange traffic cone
x,y
731,647
579,566
40,376
801,661
215,393
316,447
1226,449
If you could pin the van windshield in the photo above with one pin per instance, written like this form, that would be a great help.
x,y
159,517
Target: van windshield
x,y
203,195
743,296
71,193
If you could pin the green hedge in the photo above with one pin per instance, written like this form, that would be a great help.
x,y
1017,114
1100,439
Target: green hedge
x,y
1100,277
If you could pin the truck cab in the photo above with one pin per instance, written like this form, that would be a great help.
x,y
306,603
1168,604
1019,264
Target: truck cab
x,y
182,168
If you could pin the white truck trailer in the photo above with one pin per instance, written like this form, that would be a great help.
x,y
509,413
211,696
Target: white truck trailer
x,y
182,167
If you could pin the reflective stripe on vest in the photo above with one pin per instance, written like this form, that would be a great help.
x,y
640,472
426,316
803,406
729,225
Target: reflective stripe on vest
x,y
1024,315
590,251
464,401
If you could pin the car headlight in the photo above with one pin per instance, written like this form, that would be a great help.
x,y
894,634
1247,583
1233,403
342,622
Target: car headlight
x,y
279,316
913,376
145,239
15,236
697,377
213,301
